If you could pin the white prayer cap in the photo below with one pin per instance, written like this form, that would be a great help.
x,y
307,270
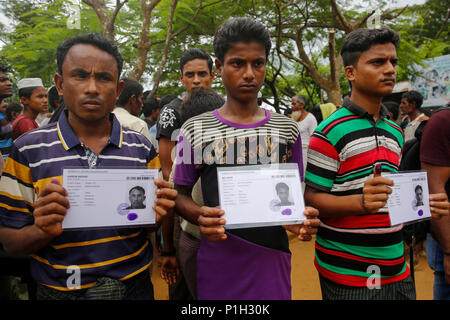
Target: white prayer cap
x,y
29,82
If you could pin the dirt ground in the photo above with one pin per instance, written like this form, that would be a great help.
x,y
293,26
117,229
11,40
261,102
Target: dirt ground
x,y
305,280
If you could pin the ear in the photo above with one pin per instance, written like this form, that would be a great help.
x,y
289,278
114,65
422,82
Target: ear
x,y
181,79
350,72
24,100
120,85
58,83
219,66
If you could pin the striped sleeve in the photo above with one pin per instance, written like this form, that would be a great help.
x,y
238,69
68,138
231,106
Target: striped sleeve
x,y
17,192
323,162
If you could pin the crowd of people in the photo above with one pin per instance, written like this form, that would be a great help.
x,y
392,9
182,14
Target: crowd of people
x,y
100,119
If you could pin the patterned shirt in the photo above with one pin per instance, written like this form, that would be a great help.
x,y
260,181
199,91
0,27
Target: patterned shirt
x,y
341,157
253,263
39,156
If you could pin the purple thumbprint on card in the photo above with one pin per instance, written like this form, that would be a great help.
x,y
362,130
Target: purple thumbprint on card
x,y
420,212
132,216
286,212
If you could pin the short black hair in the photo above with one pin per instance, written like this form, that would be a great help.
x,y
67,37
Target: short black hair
x,y
166,100
53,96
137,188
27,92
13,107
413,96
150,105
198,101
95,39
392,106
360,40
281,185
240,29
4,68
418,187
196,53
131,87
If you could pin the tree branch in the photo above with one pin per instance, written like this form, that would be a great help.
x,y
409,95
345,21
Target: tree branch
x,y
166,48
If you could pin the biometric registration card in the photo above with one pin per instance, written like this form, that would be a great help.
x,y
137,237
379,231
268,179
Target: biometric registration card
x,y
261,195
109,197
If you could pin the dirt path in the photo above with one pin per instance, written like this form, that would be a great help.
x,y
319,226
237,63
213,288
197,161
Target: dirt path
x,y
305,280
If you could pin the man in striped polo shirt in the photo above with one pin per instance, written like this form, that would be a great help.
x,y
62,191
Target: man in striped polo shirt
x,y
359,255
111,262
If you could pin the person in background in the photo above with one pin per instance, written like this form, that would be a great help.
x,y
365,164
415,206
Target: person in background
x,y
306,123
6,91
410,108
13,110
151,111
129,107
33,97
393,110
435,160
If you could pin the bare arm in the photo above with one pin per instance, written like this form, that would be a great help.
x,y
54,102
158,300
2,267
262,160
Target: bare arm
x,y
49,211
374,197
165,156
208,219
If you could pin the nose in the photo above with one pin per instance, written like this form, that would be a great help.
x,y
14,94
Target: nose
x,y
390,68
91,85
196,79
249,74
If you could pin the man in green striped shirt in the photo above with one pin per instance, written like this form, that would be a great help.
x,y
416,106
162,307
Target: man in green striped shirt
x,y
359,255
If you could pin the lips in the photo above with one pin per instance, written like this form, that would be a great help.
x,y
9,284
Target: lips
x,y
248,87
91,103
388,81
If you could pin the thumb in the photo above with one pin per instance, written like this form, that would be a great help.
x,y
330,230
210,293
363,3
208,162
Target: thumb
x,y
377,170
55,181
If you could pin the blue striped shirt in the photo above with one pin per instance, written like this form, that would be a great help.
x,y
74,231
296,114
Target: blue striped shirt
x,y
39,156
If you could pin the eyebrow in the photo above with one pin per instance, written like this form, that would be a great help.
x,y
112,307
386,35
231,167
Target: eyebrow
x,y
383,59
100,73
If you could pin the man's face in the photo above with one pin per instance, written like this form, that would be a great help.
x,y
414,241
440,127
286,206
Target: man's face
x,y
6,89
297,106
3,105
38,101
406,107
196,74
243,70
89,83
419,195
374,73
137,199
283,194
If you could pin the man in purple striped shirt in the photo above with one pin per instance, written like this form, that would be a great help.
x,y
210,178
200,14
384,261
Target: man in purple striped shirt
x,y
112,263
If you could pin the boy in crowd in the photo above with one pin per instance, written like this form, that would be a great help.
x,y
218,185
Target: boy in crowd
x,y
250,263
33,96
356,239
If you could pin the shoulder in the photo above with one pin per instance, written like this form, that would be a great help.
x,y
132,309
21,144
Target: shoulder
x,y
44,134
205,120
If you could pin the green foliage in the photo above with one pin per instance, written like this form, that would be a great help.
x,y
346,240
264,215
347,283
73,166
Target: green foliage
x,y
39,26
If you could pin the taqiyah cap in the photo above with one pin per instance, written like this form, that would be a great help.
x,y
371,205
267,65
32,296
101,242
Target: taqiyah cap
x,y
29,82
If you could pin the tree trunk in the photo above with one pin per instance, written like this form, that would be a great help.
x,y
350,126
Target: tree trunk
x,y
144,44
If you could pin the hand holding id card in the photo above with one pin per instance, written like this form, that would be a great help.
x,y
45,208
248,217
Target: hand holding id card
x,y
109,197
409,200
261,195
